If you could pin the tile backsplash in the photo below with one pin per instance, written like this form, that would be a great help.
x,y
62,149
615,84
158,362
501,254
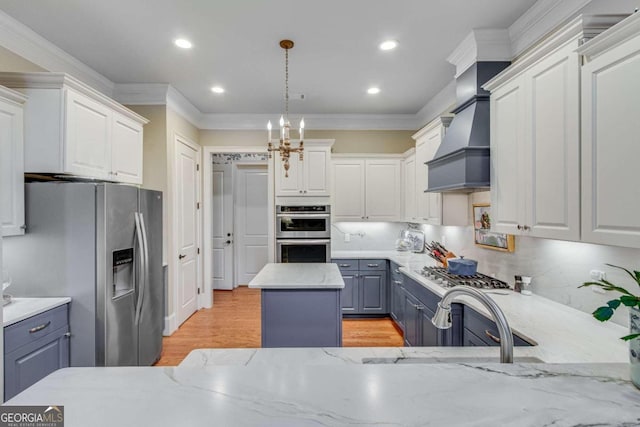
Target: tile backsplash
x,y
557,267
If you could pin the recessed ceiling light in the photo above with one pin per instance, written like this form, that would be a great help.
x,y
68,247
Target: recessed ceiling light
x,y
217,89
373,90
388,45
183,43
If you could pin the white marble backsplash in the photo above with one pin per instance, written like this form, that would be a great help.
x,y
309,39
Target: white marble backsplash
x,y
365,235
557,267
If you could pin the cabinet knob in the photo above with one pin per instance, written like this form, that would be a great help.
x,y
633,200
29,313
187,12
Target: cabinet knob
x,y
519,227
67,335
23,227
526,228
181,256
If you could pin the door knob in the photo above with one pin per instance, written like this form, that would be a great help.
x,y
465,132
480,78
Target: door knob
x,y
228,242
181,256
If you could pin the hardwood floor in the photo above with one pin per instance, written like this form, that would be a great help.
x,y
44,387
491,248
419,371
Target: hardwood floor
x,y
234,322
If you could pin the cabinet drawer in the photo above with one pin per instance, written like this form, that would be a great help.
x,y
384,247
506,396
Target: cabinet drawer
x,y
346,264
480,329
34,328
372,264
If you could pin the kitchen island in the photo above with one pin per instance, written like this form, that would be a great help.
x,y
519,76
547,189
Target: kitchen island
x,y
446,394
300,304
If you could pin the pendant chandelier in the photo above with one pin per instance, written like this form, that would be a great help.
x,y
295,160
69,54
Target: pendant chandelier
x,y
284,145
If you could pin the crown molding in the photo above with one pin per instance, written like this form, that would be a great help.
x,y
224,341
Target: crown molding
x,y
579,28
20,39
141,93
12,96
543,17
47,80
443,102
181,105
619,33
484,44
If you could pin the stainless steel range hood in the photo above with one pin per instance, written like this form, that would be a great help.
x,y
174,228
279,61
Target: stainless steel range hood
x,y
462,161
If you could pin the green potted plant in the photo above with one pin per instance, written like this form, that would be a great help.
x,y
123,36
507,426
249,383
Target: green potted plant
x,y
632,301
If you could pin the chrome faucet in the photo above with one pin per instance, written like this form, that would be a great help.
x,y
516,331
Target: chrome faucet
x,y
442,318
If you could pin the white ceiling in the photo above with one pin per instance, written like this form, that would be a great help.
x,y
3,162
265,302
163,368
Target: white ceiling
x,y
335,59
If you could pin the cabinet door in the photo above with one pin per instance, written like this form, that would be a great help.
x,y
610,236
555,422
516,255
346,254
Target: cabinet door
x,y
348,190
87,137
507,152
126,150
428,332
552,168
373,292
411,319
397,312
30,363
11,169
429,205
383,190
316,171
610,148
291,185
409,182
349,294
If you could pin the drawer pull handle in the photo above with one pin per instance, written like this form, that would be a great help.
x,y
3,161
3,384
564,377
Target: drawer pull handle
x,y
396,271
344,265
493,337
39,328
372,265
397,282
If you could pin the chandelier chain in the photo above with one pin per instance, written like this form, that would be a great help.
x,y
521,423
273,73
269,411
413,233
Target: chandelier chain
x,y
286,83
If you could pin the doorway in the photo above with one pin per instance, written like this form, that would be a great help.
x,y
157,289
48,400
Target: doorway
x,y
239,232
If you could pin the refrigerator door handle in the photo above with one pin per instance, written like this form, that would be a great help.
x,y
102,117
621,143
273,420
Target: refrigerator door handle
x,y
145,285
143,267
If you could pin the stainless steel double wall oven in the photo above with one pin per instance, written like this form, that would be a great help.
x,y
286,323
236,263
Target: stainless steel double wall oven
x,y
303,233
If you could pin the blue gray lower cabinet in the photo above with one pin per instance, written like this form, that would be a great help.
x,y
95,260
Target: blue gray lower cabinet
x,y
396,293
418,307
34,348
366,291
301,318
480,331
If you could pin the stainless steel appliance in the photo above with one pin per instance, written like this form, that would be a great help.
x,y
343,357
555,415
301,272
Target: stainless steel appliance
x,y
100,244
294,222
303,233
441,276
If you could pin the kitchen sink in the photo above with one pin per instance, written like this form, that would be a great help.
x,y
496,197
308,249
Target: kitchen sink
x,y
429,360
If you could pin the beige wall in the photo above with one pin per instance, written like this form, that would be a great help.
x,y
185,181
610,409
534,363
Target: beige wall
x,y
9,61
347,141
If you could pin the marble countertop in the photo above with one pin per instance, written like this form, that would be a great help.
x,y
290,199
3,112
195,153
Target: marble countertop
x,y
459,394
563,334
23,308
298,276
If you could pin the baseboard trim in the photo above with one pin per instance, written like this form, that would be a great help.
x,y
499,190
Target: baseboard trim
x,y
170,325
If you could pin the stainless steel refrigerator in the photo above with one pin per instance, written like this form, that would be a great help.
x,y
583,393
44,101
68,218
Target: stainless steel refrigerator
x,y
100,244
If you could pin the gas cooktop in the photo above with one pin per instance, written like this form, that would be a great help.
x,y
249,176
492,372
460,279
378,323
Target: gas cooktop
x,y
441,276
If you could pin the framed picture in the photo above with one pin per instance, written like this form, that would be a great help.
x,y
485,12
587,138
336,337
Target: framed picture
x,y
483,235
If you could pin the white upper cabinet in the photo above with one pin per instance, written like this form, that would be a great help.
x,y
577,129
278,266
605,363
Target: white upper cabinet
x,y
309,177
610,136
72,129
435,208
410,213
367,189
11,162
535,139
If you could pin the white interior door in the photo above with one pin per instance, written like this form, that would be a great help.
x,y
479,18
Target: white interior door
x,y
186,197
251,225
222,228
